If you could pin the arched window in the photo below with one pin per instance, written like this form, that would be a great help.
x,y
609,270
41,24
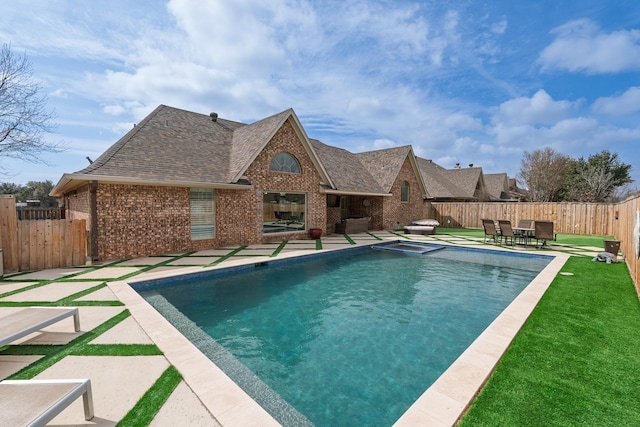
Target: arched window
x,y
404,191
285,162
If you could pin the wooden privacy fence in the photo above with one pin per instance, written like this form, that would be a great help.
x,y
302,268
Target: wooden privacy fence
x,y
572,218
39,244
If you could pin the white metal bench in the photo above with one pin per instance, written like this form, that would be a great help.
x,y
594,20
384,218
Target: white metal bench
x,y
33,319
36,402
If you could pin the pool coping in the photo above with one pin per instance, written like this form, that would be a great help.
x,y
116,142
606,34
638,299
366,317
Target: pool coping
x,y
442,404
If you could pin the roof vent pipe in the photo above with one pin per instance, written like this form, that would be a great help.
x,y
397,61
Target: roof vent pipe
x,y
214,117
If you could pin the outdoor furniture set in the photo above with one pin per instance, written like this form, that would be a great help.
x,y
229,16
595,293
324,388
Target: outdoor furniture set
x,y
527,230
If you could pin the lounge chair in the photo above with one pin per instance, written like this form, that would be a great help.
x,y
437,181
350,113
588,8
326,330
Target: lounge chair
x,y
33,319
36,402
491,231
543,232
506,231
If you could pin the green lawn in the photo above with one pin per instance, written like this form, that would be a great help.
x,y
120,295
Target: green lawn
x,y
576,360
563,239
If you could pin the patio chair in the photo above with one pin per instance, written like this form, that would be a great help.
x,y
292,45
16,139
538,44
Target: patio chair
x,y
36,402
543,232
491,231
33,319
506,231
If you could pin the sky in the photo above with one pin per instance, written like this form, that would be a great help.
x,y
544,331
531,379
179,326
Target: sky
x,y
461,81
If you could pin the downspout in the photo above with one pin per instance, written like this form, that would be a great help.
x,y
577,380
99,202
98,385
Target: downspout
x,y
93,214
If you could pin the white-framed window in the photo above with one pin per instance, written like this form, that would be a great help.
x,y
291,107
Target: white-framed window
x,y
404,191
283,212
285,162
202,214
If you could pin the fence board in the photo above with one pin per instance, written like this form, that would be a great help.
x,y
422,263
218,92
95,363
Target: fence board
x,y
572,218
8,235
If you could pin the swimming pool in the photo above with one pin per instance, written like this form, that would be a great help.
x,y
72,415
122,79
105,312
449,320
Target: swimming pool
x,y
347,339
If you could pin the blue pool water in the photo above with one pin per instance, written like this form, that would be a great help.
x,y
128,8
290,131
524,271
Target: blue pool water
x,y
347,339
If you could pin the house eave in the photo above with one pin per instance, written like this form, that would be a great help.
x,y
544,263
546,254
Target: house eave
x,y
69,182
353,193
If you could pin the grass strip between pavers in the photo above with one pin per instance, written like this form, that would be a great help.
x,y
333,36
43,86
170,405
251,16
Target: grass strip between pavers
x,y
26,288
279,248
113,303
224,257
349,239
119,350
73,347
149,405
80,294
575,361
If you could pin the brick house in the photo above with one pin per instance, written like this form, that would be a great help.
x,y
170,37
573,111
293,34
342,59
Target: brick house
x,y
181,181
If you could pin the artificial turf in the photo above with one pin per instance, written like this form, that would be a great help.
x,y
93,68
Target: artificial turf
x,y
576,359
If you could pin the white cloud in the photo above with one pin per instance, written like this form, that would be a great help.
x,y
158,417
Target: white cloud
x,y
539,109
624,104
581,46
499,27
462,122
380,144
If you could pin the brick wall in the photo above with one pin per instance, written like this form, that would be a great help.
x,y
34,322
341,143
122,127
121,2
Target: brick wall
x,y
77,204
264,180
397,214
333,216
137,220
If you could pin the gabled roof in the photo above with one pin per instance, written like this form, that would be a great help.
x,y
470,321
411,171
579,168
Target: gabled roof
x,y
178,147
347,173
249,141
385,164
466,179
437,181
497,185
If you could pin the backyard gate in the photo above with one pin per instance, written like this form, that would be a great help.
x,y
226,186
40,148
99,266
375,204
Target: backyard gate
x,y
39,244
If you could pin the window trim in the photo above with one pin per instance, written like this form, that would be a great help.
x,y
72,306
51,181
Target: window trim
x,y
202,224
302,219
403,192
278,167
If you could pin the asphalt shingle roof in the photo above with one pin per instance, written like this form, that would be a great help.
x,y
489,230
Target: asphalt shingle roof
x,y
346,171
173,145
497,185
466,179
437,182
385,165
170,145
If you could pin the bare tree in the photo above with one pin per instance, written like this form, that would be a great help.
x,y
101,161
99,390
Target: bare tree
x,y
24,120
543,172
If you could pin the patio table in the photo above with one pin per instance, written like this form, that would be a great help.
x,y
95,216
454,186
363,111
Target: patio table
x,y
524,233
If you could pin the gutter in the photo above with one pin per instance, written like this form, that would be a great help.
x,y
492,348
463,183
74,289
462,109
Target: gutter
x,y
72,181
